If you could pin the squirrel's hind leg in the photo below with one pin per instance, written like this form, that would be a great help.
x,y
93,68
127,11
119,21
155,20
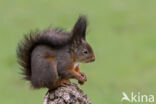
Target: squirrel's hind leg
x,y
44,72
65,82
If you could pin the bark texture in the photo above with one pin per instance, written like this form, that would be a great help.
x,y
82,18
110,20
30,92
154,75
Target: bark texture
x,y
66,95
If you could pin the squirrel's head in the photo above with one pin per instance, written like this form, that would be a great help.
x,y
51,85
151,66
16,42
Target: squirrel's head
x,y
82,51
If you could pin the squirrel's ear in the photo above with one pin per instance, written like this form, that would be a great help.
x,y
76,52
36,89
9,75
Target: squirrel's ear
x,y
79,30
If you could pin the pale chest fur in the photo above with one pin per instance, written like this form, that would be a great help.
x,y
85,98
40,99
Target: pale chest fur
x,y
76,64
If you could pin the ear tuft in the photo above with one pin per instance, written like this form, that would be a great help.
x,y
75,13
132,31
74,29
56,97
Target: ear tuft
x,y
79,30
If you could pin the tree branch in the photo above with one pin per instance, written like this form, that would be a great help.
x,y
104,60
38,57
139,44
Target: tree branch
x,y
66,95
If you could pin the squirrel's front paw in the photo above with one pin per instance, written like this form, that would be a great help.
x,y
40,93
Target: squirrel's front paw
x,y
83,78
83,75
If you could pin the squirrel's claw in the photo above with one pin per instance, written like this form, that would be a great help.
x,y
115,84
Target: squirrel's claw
x,y
83,75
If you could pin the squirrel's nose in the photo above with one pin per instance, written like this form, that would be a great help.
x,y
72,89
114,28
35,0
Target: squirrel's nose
x,y
93,58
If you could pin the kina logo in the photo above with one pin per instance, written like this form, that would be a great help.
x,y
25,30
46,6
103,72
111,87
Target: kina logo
x,y
137,98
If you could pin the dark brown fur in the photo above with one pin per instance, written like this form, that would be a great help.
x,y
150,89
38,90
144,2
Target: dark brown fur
x,y
47,58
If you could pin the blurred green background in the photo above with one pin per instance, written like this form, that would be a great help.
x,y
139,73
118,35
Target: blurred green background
x,y
121,32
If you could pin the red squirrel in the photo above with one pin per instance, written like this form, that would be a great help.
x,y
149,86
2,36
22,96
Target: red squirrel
x,y
50,58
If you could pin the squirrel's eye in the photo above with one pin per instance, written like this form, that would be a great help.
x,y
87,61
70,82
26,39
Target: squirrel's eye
x,y
85,51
